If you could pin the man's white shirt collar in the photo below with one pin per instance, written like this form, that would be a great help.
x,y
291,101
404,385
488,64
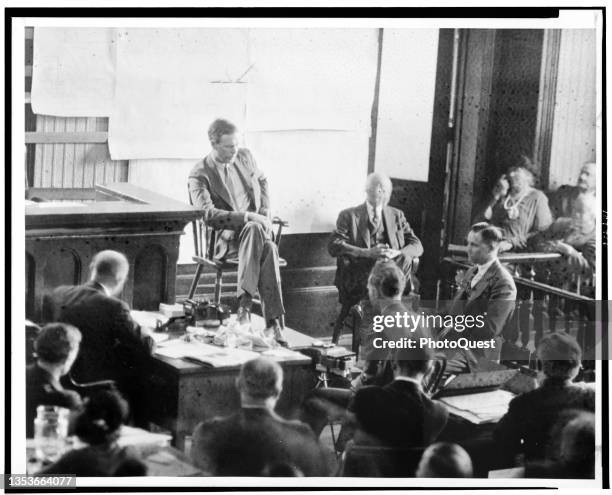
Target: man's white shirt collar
x,y
371,209
482,269
106,291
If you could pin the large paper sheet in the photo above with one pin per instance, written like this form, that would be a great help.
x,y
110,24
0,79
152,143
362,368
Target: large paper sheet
x,y
313,175
171,83
405,107
73,71
311,79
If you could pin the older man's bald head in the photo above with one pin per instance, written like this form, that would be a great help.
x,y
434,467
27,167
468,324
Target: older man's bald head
x,y
110,268
588,177
378,189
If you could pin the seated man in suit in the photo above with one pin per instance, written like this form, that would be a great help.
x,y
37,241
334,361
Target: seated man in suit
x,y
562,200
255,439
486,291
56,348
364,234
114,346
526,427
399,414
232,193
573,237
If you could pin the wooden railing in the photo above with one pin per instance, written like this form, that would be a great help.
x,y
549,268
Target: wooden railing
x,y
535,266
540,309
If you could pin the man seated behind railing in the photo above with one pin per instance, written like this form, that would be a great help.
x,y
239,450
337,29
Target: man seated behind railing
x,y
574,238
487,293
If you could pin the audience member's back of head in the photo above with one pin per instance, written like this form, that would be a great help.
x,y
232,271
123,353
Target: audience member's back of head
x,y
55,342
110,268
560,356
104,413
445,460
388,279
571,452
260,379
282,470
410,362
578,443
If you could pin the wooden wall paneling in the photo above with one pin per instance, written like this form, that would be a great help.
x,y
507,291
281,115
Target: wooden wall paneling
x,y
68,159
514,101
57,179
30,283
477,80
149,278
546,102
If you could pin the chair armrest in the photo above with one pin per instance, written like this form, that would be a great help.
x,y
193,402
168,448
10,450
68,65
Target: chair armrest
x,y
280,221
110,384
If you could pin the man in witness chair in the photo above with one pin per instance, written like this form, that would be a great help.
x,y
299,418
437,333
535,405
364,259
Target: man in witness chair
x,y
232,193
365,234
487,293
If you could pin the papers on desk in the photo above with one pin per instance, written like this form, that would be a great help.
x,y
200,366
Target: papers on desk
x,y
282,354
167,463
205,354
486,407
159,337
137,437
149,319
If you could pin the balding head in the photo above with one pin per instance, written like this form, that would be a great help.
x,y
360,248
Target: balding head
x,y
445,460
587,177
378,189
110,268
260,382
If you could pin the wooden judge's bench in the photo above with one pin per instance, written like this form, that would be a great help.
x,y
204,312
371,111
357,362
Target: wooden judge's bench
x,y
65,228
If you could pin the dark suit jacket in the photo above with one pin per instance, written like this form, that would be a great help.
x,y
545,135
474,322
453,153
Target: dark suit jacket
x,y
209,193
532,415
96,460
252,439
42,389
494,294
398,414
352,235
113,346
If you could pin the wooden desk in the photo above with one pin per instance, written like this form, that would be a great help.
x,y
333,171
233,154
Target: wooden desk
x,y
62,238
181,394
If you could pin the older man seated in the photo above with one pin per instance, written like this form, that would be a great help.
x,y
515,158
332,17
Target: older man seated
x,y
561,201
574,238
365,234
255,441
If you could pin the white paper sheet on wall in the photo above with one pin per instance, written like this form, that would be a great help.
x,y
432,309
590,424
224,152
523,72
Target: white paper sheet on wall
x,y
73,71
312,175
405,108
311,79
171,83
